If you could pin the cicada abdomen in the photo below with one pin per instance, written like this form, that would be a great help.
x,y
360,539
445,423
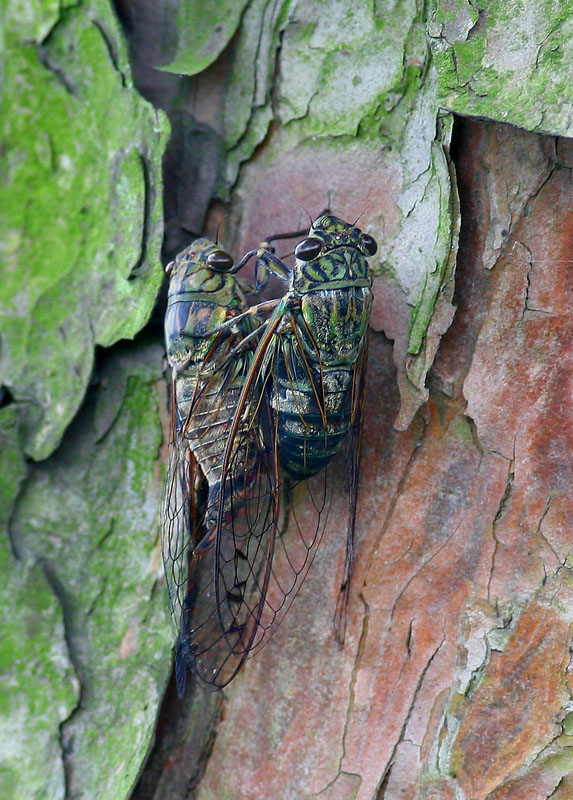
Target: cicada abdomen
x,y
215,530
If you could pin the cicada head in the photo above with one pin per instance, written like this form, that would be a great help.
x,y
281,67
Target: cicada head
x,y
329,233
334,252
203,267
200,254
202,294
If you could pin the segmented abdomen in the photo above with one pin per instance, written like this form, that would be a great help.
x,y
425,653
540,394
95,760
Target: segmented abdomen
x,y
306,443
213,408
314,387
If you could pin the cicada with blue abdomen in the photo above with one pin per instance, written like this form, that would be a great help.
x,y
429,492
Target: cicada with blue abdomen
x,y
309,369
215,531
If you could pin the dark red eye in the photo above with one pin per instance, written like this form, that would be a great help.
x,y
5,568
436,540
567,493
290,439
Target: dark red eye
x,y
219,260
369,243
308,249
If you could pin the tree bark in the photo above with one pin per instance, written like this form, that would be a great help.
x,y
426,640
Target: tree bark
x,y
454,678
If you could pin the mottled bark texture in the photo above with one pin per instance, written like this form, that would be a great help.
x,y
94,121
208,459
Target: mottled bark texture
x,y
454,679
84,640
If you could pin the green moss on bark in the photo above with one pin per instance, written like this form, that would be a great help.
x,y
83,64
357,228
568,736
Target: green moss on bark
x,y
89,514
513,64
204,30
39,688
80,204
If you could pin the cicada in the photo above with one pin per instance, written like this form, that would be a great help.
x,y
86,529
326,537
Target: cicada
x,y
214,529
309,369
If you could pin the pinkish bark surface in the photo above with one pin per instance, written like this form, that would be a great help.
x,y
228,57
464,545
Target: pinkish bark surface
x,y
453,675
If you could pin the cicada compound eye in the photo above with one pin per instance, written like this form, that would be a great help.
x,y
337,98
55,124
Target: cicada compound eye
x,y
308,249
220,261
369,243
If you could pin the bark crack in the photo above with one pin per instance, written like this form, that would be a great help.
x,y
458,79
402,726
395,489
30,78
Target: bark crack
x,y
66,606
137,271
480,23
62,77
556,789
110,47
380,791
501,511
420,569
351,694
550,33
539,532
331,783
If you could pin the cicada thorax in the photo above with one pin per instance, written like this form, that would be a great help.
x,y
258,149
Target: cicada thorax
x,y
206,380
320,361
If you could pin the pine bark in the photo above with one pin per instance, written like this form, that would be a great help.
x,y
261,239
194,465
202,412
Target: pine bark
x,y
454,680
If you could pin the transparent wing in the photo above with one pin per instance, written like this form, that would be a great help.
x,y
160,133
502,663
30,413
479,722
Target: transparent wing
x,y
259,566
349,460
228,567
204,406
326,501
179,515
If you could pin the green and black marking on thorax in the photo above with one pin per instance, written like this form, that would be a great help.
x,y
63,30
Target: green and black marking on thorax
x,y
202,297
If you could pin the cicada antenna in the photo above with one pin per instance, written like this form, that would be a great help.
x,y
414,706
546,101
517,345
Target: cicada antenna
x,y
219,229
364,210
310,220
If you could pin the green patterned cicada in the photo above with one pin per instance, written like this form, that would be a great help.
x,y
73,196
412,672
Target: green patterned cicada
x,y
212,528
309,369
